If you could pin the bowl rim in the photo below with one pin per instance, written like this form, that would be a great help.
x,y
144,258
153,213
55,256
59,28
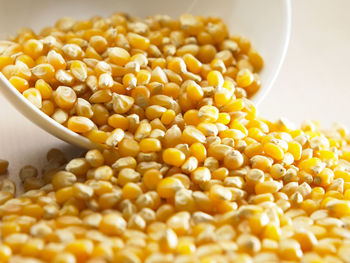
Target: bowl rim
x,y
33,114
265,89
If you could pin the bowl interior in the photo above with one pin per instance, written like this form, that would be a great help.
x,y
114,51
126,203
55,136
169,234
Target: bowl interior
x,y
266,23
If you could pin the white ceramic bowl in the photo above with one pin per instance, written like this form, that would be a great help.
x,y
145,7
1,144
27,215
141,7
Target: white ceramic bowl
x,y
266,23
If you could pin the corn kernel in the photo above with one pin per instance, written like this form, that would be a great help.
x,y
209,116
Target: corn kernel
x,y
19,83
34,96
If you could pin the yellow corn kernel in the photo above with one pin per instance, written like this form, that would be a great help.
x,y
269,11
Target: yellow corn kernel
x,y
115,137
72,51
248,243
191,117
200,175
9,71
5,253
44,71
257,222
206,53
65,97
119,56
218,64
140,59
150,145
324,178
244,78
338,208
118,121
220,173
199,151
80,248
192,63
232,133
208,113
328,157
129,80
158,75
255,133
168,186
105,81
8,228
131,191
56,60
185,246
261,162
222,97
128,147
155,112
177,65
255,59
192,135
34,96
224,118
99,43
32,248
290,250
215,78
168,117
308,164
97,136
41,60
112,224
19,83
33,48
208,129
342,174
173,156
271,231
295,149
317,193
235,105
5,61
346,155
122,103
48,107
143,77
102,67
309,206
151,178
194,91
159,62
233,159
44,88
267,187
94,158
90,52
80,124
220,193
274,151
79,70
138,41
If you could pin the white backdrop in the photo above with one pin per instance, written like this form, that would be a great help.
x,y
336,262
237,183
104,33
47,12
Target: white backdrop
x,y
314,82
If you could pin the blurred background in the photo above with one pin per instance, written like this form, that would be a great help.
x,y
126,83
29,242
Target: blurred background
x,y
314,80
313,83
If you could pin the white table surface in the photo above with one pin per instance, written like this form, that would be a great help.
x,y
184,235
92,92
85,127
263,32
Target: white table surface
x,y
314,83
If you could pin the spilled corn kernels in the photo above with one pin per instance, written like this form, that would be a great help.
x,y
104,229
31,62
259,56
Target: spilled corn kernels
x,y
189,172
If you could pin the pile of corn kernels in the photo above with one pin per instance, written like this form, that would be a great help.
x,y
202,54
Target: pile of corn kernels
x,y
102,74
187,172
